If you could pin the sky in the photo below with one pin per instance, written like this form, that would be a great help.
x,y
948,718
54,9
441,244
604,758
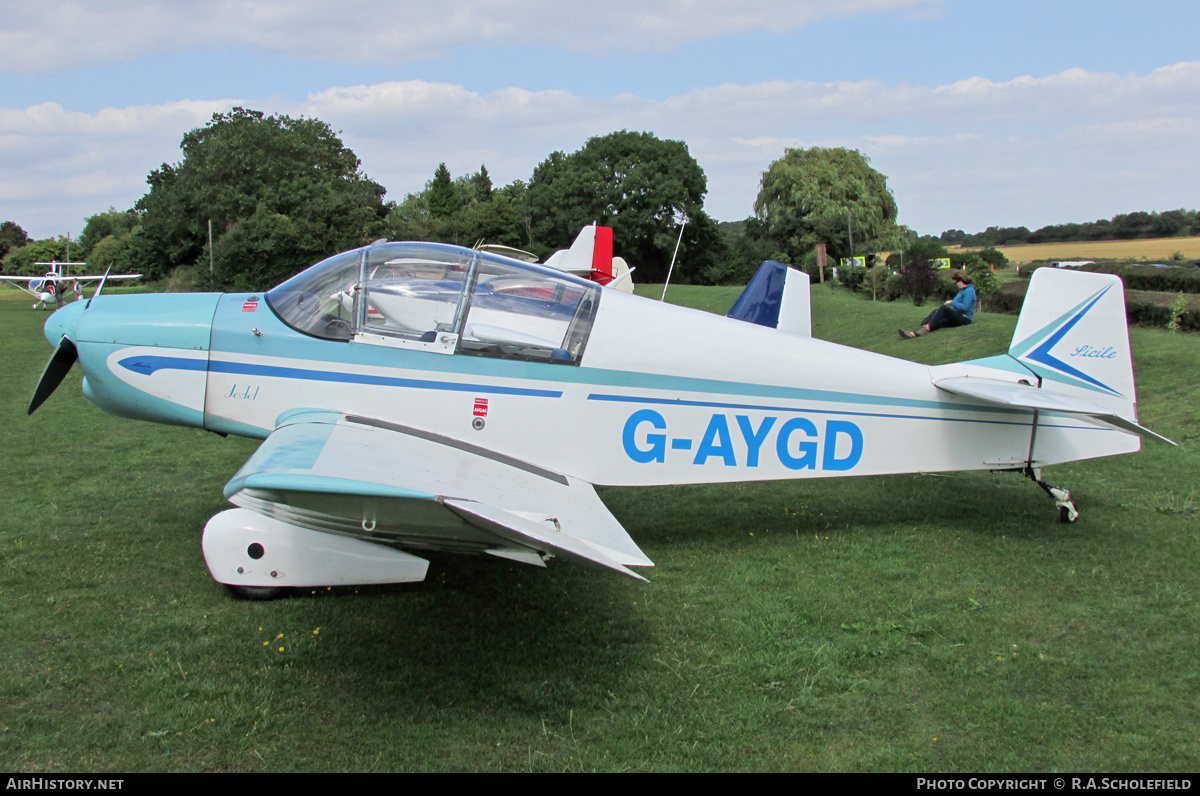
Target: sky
x,y
980,113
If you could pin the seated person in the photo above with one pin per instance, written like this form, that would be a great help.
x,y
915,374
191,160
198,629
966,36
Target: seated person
x,y
956,312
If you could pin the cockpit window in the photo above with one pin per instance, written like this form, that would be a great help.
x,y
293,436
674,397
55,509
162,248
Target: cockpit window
x,y
442,298
521,312
414,292
320,300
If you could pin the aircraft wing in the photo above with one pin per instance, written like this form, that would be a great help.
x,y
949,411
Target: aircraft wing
x,y
415,490
57,278
92,277
20,283
1026,396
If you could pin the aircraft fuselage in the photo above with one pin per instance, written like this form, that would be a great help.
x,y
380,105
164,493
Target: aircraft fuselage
x,y
662,394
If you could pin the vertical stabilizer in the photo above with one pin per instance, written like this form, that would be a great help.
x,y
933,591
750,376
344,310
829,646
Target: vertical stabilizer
x,y
591,256
777,297
1073,334
602,254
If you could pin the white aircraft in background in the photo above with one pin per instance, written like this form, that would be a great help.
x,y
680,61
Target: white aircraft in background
x,y
51,287
416,396
590,256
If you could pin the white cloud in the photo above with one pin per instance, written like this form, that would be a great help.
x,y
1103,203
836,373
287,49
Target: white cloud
x,y
388,31
1068,147
58,166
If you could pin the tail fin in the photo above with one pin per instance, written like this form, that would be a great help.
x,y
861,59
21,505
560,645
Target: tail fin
x,y
591,256
1072,333
1072,336
777,297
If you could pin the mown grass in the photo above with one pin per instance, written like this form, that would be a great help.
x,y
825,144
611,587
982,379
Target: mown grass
x,y
906,623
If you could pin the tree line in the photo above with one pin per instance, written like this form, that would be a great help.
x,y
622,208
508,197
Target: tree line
x,y
257,198
1123,226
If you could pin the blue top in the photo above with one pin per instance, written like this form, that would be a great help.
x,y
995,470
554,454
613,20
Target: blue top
x,y
964,302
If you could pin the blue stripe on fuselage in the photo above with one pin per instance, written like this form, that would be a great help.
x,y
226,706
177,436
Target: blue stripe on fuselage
x,y
148,364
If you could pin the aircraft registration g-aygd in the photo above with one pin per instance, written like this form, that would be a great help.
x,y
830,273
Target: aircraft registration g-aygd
x,y
424,397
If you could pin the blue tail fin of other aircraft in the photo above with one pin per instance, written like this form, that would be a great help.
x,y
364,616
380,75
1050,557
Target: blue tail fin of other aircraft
x,y
778,298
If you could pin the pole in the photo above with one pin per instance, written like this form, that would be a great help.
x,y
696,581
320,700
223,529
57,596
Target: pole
x,y
673,256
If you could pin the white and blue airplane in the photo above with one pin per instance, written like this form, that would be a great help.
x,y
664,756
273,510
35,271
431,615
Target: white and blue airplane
x,y
425,397
50,288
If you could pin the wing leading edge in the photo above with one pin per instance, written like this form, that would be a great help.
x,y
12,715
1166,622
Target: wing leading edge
x,y
411,489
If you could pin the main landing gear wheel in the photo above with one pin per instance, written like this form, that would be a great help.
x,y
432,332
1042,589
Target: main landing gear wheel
x,y
255,592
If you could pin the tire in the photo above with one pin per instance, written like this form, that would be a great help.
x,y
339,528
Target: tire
x,y
255,592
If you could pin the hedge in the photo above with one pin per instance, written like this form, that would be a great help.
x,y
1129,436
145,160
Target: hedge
x,y
1142,307
1183,279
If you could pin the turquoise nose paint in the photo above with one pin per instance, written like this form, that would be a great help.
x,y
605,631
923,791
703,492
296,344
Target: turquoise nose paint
x,y
168,320
62,322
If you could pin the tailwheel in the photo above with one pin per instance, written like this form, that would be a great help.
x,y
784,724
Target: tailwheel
x,y
1062,497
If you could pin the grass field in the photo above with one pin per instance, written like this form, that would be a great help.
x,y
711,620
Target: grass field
x,y
903,623
1158,249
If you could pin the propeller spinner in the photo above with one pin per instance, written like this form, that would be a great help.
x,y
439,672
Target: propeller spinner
x,y
65,353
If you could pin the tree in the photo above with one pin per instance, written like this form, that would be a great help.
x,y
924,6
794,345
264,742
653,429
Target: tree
x,y
822,195
982,278
471,210
918,279
11,237
641,186
23,259
925,248
245,172
115,223
481,184
993,257
111,250
746,246
444,200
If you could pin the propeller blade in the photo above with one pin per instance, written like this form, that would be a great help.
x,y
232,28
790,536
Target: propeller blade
x,y
56,370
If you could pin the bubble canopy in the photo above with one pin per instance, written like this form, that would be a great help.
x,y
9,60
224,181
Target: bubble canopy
x,y
441,298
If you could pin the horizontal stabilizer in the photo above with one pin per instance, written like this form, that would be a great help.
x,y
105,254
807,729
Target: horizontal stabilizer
x,y
1026,396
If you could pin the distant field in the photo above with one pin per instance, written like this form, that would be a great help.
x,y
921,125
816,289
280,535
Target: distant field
x,y
1149,249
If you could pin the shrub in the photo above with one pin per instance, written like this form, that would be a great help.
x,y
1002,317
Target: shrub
x,y
852,278
1178,308
918,280
1009,297
1138,277
891,288
1142,308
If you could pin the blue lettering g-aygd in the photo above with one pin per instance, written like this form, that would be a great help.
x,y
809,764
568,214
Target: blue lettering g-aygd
x,y
799,445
